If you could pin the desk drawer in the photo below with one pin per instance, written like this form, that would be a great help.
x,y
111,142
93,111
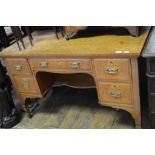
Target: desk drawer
x,y
112,69
18,66
26,85
60,64
115,93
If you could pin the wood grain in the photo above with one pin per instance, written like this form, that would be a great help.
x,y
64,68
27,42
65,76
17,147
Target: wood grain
x,y
22,63
60,64
94,55
26,85
105,46
122,67
123,90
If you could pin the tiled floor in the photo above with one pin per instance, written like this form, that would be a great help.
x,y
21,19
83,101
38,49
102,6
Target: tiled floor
x,y
70,108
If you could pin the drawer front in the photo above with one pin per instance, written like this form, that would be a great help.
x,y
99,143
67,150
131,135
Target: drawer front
x,y
60,64
112,69
115,93
26,85
18,66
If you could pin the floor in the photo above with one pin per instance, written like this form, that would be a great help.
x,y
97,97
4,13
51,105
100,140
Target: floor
x,y
70,108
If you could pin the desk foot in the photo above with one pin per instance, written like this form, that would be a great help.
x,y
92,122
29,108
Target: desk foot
x,y
138,125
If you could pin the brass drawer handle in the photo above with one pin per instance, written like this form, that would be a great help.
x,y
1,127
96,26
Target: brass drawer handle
x,y
26,85
115,94
18,67
112,70
74,64
43,64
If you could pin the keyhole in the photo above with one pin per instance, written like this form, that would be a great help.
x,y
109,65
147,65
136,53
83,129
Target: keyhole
x,y
110,62
114,86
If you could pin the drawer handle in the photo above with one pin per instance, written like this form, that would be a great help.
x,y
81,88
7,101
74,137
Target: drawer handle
x,y
74,64
25,85
111,70
115,94
18,67
43,64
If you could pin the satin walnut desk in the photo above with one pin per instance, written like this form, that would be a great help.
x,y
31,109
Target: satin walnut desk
x,y
108,63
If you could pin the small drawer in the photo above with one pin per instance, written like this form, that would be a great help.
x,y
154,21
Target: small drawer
x,y
115,93
18,66
112,69
60,64
26,85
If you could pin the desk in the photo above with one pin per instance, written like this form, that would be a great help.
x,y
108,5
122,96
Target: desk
x,y
108,63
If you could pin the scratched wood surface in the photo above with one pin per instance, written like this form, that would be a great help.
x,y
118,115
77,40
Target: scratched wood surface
x,y
96,46
70,108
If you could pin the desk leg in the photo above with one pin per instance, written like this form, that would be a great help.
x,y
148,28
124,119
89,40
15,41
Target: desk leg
x,y
136,95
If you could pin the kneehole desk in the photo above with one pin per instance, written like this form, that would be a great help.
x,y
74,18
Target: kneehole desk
x,y
108,63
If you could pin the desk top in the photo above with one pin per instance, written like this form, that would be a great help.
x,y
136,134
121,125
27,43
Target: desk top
x,y
98,46
149,50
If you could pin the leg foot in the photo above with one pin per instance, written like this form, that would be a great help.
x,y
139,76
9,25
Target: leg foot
x,y
138,124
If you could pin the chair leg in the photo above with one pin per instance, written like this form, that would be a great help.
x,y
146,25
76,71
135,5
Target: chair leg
x,y
29,35
18,36
55,30
14,34
61,30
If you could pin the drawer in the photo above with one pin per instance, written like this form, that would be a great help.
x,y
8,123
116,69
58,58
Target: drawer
x,y
26,85
112,69
18,66
115,93
60,64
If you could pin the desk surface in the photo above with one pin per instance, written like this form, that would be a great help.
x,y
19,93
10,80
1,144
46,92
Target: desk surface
x,y
106,45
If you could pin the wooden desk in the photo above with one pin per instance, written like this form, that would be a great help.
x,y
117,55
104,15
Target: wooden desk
x,y
108,63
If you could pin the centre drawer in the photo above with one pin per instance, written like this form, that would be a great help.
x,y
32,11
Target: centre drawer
x,y
112,69
60,64
115,92
26,85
